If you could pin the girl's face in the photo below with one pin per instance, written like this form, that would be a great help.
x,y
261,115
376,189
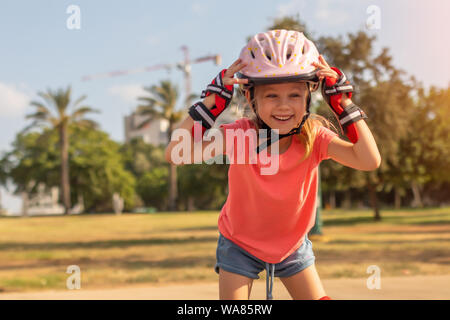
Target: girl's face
x,y
282,106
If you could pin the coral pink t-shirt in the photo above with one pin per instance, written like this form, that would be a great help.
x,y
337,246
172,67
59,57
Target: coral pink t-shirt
x,y
269,215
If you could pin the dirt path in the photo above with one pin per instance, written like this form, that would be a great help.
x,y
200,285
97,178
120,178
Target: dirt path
x,y
417,287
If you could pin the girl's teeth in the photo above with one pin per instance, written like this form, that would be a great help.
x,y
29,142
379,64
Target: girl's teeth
x,y
282,118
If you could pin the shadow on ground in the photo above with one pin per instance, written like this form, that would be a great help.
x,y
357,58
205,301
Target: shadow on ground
x,y
103,244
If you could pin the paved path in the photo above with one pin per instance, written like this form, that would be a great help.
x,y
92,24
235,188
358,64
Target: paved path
x,y
417,287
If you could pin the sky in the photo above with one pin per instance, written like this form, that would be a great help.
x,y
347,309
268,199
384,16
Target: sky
x,y
39,51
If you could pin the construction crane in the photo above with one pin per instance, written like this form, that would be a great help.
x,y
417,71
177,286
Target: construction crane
x,y
184,66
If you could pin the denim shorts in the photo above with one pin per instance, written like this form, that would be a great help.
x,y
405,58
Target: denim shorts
x,y
232,258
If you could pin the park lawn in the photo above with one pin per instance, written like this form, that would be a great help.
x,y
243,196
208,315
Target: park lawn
x,y
163,248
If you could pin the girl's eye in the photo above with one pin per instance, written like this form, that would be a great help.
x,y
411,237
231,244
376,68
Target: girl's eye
x,y
271,96
296,95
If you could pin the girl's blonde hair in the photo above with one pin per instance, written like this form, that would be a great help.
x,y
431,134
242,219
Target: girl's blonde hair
x,y
309,130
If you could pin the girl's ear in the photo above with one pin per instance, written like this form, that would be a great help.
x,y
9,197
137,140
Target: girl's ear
x,y
247,95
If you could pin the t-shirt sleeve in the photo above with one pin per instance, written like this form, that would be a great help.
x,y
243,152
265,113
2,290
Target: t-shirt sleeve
x,y
233,125
321,142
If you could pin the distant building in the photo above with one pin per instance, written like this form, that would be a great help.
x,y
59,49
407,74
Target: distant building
x,y
154,132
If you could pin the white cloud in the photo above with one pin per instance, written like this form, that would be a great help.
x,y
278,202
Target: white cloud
x,y
128,93
13,100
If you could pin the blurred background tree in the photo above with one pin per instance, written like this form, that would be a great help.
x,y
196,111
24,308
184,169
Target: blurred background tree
x,y
97,166
56,114
162,105
382,92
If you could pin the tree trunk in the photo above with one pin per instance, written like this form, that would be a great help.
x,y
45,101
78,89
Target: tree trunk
x,y
360,204
417,202
25,203
190,204
65,184
347,202
332,199
398,198
173,190
374,201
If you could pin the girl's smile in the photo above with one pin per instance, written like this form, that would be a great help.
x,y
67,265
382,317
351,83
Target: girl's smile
x,y
282,118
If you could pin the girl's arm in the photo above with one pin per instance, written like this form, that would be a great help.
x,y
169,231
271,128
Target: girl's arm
x,y
187,125
209,101
363,155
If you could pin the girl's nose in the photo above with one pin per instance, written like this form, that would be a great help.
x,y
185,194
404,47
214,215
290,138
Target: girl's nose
x,y
284,103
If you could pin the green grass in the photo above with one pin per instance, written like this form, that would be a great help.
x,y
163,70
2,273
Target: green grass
x,y
164,248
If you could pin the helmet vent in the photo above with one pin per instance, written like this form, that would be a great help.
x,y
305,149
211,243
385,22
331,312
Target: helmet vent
x,y
253,55
268,56
289,53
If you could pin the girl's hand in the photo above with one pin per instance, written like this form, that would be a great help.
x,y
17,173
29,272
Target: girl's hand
x,y
228,79
326,71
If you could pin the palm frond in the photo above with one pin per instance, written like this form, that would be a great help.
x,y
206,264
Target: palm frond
x,y
66,95
148,111
161,103
81,111
62,100
150,101
40,107
48,97
34,124
41,116
177,116
86,123
78,101
190,98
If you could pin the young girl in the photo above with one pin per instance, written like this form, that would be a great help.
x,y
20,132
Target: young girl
x,y
266,218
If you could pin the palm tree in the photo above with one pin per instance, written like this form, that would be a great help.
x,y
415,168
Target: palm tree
x,y
161,105
60,101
